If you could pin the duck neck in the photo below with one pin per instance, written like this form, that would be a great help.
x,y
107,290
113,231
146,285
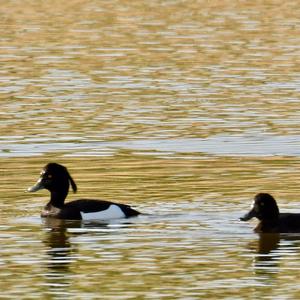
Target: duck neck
x,y
270,225
57,198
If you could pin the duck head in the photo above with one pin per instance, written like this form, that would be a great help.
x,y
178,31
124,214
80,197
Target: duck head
x,y
264,208
56,179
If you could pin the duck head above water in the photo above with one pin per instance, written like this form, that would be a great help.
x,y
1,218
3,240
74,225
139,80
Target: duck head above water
x,y
264,208
56,179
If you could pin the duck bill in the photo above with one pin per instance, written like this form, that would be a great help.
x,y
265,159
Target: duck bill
x,y
248,216
38,186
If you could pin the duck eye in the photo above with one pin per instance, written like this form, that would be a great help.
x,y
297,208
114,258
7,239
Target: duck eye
x,y
46,176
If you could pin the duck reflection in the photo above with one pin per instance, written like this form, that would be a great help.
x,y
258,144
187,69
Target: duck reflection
x,y
61,254
265,261
267,243
270,247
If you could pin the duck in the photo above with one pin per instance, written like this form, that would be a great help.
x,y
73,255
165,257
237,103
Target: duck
x,y
57,180
266,210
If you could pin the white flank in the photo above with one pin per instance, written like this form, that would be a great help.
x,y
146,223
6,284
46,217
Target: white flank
x,y
113,212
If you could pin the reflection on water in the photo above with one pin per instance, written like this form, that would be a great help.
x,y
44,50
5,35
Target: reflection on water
x,y
182,109
272,260
237,145
155,256
58,274
182,71
266,262
268,242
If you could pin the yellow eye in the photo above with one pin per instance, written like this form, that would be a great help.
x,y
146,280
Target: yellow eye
x,y
49,176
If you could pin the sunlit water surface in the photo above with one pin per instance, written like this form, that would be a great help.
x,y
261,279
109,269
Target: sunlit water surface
x,y
183,109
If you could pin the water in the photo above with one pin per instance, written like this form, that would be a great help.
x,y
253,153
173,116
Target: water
x,y
185,110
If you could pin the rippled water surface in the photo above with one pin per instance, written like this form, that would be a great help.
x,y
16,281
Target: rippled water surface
x,y
183,109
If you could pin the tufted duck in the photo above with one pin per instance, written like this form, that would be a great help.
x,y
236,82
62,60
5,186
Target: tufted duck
x,y
265,209
56,179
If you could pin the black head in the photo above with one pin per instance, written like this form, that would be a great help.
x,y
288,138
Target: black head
x,y
264,208
54,178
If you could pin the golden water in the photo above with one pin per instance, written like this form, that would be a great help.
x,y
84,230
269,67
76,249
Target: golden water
x,y
183,109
